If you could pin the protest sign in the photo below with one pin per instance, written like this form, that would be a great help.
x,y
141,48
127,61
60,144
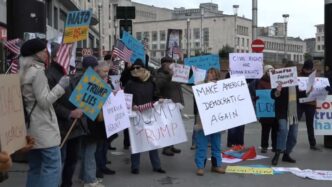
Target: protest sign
x,y
249,170
249,65
115,79
323,175
180,73
264,104
90,94
323,116
318,92
129,102
285,76
202,62
115,112
311,80
135,46
158,127
77,26
199,75
13,129
224,104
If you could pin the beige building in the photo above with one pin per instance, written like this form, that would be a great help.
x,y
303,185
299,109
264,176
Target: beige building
x,y
320,38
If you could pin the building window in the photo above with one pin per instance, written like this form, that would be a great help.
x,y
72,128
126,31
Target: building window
x,y
162,53
197,45
154,53
49,12
318,38
91,41
154,36
318,47
197,33
138,35
55,17
206,37
247,42
162,36
162,46
63,15
154,46
242,42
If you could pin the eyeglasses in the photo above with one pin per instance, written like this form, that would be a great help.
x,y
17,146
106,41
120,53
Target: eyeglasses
x,y
137,67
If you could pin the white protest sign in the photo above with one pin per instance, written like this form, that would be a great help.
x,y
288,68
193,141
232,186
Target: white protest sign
x,y
199,75
322,119
318,92
129,102
115,113
285,76
323,175
302,83
311,80
180,73
224,104
116,81
158,127
249,65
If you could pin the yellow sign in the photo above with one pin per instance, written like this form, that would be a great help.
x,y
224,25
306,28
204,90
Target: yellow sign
x,y
74,34
77,26
249,170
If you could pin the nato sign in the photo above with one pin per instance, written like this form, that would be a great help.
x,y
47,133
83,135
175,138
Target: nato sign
x,y
77,26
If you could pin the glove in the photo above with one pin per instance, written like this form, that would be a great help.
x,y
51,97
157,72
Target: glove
x,y
64,81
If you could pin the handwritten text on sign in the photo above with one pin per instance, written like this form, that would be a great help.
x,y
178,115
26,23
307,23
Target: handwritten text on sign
x,y
90,94
135,46
318,92
323,117
180,73
249,65
224,104
264,104
77,26
199,74
249,170
115,113
285,76
158,127
13,130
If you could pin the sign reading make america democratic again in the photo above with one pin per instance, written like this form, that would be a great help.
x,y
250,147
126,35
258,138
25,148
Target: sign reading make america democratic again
x,y
77,26
90,94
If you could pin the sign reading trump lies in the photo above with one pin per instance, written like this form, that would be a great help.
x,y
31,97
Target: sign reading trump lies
x,y
158,127
224,104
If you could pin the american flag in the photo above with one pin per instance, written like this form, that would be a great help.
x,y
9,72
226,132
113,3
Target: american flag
x,y
120,50
63,56
14,45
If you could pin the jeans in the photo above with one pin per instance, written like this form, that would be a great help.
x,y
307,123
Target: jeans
x,y
69,155
154,159
101,154
309,111
266,129
44,167
88,166
286,139
202,147
235,136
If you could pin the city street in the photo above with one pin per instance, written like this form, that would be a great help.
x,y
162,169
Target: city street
x,y
181,169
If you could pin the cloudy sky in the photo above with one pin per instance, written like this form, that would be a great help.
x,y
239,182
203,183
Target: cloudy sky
x,y
303,14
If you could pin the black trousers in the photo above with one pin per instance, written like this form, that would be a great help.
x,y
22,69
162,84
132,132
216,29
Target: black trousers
x,y
266,129
235,136
69,156
309,111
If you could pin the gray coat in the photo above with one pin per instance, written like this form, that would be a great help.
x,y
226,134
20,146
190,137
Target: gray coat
x,y
43,122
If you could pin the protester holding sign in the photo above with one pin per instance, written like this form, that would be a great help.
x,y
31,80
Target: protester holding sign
x,y
286,107
168,90
143,89
202,141
308,108
44,159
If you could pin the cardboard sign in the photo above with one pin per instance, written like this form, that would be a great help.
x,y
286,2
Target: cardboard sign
x,y
224,104
318,92
287,77
115,79
322,120
249,170
180,73
158,127
311,80
135,46
249,65
202,62
115,112
199,75
13,129
77,26
264,104
90,94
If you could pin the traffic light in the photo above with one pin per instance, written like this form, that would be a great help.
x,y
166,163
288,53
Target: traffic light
x,y
126,25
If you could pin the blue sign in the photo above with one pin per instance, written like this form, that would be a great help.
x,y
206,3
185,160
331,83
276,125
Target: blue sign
x,y
90,94
135,46
264,104
78,18
203,62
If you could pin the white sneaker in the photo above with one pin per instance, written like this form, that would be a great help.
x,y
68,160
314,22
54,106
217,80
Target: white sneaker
x,y
95,184
100,180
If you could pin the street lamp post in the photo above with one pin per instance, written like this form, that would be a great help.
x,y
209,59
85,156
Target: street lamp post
x,y
188,38
285,16
202,15
235,9
100,45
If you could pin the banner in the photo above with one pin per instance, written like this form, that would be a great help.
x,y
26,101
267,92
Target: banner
x,y
135,46
202,62
173,43
249,170
199,75
285,76
115,79
318,92
158,127
115,112
90,94
77,26
13,129
323,116
224,104
180,73
264,104
249,65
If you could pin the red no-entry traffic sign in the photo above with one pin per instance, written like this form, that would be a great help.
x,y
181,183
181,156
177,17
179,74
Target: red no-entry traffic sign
x,y
257,45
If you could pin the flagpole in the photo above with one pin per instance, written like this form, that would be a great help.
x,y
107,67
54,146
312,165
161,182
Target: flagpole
x,y
10,67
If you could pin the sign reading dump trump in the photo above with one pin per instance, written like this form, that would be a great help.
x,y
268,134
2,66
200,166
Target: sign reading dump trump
x,y
158,127
13,129
285,76
90,94
77,26
249,65
224,104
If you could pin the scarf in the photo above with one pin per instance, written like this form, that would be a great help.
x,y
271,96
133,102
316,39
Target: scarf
x,y
142,74
292,106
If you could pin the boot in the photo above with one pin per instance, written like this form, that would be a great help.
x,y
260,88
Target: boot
x,y
200,172
168,152
175,150
287,158
215,168
275,159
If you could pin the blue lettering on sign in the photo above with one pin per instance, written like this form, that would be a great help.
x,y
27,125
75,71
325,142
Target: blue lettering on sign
x,y
78,18
323,126
265,106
